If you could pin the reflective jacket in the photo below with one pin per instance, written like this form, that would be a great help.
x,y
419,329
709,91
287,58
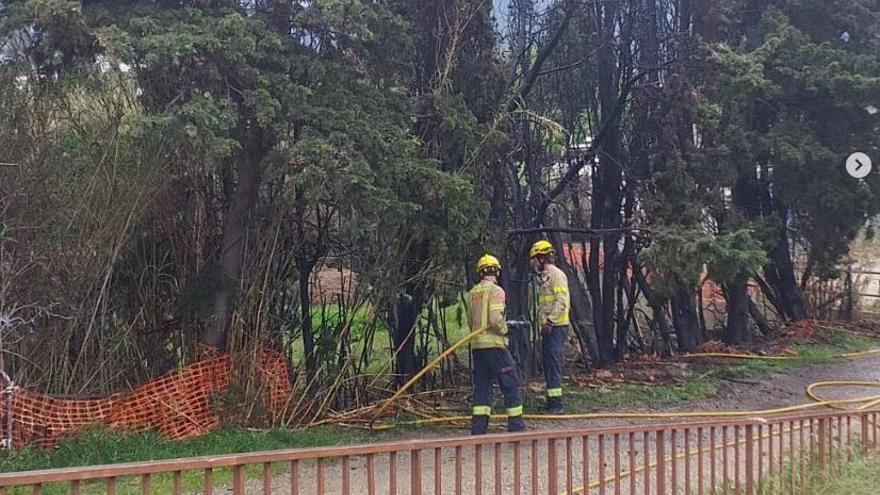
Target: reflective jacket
x,y
554,301
486,310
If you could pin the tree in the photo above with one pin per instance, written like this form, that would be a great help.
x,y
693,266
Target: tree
x,y
793,97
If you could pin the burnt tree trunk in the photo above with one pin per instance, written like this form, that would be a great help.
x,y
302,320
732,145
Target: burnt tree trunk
x,y
405,314
658,308
686,321
737,330
305,305
607,189
780,276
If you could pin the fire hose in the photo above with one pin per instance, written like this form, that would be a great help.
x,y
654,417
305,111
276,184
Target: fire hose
x,y
817,401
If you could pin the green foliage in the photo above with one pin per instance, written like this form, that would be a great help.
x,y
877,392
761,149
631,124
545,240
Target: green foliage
x,y
792,95
677,258
858,477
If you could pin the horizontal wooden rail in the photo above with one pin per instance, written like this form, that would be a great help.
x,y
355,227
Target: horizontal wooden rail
x,y
669,458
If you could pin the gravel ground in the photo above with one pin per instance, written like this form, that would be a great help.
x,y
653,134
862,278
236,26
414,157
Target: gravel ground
x,y
770,391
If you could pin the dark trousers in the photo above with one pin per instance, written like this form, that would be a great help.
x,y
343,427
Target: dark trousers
x,y
551,352
490,366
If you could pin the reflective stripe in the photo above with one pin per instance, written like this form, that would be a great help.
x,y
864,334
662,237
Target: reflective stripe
x,y
547,298
515,411
559,289
554,392
496,307
482,410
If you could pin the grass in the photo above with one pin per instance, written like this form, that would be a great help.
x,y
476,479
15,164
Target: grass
x,y
584,399
103,446
707,384
860,477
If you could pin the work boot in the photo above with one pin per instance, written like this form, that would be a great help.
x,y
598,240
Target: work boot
x,y
479,425
516,425
554,406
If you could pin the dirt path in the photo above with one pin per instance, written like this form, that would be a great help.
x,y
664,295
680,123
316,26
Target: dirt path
x,y
773,390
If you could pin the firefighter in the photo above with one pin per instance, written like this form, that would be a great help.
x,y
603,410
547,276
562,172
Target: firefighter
x,y
491,360
553,308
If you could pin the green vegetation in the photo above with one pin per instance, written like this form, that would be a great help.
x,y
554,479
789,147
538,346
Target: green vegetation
x,y
107,447
849,473
329,318
174,174
861,477
637,395
704,385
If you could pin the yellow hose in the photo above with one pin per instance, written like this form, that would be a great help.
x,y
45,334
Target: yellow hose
x,y
412,381
850,355
654,415
818,402
866,402
869,401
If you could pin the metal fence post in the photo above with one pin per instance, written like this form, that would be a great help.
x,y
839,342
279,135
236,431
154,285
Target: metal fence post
x,y
750,460
661,462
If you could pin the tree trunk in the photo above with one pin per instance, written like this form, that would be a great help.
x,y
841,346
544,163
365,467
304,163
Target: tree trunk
x,y
780,275
607,189
761,322
737,313
686,321
658,308
305,304
604,336
243,201
701,313
406,315
515,279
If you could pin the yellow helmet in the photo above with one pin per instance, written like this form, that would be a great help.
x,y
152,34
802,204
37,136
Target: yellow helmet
x,y
486,262
540,248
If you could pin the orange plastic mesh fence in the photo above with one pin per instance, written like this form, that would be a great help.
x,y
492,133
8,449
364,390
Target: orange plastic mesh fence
x,y
178,405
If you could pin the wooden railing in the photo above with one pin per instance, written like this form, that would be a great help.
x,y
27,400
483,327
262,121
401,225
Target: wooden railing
x,y
750,456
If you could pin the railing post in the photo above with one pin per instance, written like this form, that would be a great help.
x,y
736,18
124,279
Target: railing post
x,y
238,480
438,470
552,468
661,462
750,460
415,473
864,422
822,444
